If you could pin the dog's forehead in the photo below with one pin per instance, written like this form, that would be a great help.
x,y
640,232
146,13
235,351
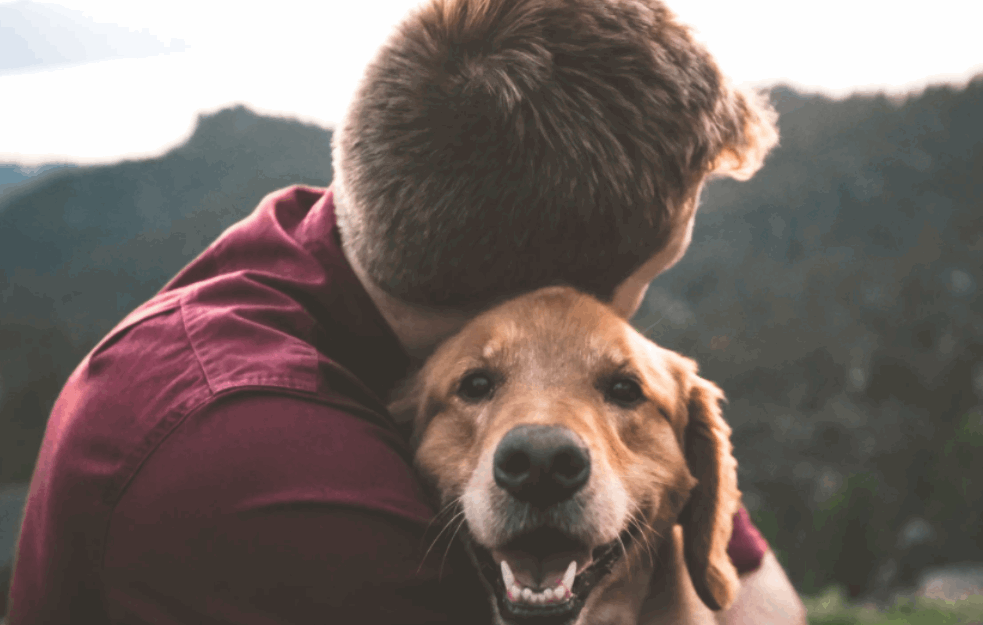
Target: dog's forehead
x,y
562,330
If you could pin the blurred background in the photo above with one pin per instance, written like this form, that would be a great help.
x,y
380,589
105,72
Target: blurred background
x,y
837,297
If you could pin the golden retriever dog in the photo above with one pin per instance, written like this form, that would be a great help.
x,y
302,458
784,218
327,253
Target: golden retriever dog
x,y
590,469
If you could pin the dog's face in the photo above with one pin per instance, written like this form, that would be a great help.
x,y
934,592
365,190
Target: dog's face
x,y
570,444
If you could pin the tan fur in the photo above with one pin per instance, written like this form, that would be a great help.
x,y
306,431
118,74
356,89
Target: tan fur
x,y
666,460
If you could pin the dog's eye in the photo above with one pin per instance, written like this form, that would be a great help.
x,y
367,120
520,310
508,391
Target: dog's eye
x,y
476,386
623,391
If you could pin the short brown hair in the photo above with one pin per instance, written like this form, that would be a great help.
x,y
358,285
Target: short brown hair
x,y
497,146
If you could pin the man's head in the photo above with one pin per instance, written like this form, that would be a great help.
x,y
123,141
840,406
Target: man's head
x,y
498,146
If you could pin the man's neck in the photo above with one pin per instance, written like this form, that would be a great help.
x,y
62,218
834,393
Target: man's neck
x,y
418,329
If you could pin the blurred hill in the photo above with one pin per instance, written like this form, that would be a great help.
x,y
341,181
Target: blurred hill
x,y
81,247
836,297
12,175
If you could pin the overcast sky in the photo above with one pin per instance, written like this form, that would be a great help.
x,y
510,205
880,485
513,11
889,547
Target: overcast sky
x,y
100,80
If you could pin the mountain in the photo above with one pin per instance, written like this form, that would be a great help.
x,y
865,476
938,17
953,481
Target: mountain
x,y
12,174
81,247
836,297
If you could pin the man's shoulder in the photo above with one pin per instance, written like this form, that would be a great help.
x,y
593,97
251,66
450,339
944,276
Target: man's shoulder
x,y
243,333
223,377
227,333
185,350
256,318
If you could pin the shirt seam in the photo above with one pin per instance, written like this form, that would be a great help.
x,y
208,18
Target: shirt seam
x,y
182,306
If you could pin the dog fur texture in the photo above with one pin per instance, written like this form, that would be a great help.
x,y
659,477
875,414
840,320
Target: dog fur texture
x,y
662,486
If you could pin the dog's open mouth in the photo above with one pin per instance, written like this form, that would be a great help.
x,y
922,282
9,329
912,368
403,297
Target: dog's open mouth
x,y
544,577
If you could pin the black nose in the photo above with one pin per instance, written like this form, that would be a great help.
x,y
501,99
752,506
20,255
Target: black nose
x,y
541,464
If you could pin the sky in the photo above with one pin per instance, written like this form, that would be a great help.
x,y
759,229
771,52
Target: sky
x,y
95,81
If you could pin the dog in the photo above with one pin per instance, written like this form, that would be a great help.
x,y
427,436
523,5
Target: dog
x,y
590,469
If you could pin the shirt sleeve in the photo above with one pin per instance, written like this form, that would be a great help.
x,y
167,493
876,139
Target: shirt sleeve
x,y
747,546
264,509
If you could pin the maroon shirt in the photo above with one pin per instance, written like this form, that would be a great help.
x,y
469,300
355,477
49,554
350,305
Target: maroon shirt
x,y
222,455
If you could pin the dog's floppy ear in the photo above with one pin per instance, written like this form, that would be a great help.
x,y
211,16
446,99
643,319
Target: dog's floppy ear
x,y
746,123
405,407
708,517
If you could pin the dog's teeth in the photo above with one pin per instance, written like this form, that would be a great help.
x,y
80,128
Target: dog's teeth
x,y
507,575
558,594
569,576
515,594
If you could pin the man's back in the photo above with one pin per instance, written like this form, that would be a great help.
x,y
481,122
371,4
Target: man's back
x,y
219,457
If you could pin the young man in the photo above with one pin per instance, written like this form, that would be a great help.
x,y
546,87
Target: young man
x,y
224,455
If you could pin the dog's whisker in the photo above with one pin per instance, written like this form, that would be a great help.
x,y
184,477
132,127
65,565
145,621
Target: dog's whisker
x,y
433,543
659,482
450,542
448,508
646,331
641,520
442,512
654,553
624,550
637,521
649,534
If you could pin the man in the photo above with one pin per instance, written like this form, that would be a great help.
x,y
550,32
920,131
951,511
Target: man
x,y
224,455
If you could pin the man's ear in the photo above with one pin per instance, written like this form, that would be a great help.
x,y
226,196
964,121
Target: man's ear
x,y
708,518
747,125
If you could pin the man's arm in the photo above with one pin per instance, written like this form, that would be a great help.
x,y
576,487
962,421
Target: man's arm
x,y
298,567
767,597
268,509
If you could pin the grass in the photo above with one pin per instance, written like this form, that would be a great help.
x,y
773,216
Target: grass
x,y
831,608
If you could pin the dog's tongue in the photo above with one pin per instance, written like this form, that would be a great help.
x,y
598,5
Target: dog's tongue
x,y
541,571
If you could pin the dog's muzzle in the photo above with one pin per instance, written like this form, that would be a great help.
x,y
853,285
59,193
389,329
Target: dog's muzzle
x,y
542,575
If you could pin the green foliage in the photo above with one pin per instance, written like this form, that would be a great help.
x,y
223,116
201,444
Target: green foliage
x,y
832,608
836,298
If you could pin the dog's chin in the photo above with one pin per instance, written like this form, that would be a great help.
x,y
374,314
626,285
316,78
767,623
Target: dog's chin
x,y
593,566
